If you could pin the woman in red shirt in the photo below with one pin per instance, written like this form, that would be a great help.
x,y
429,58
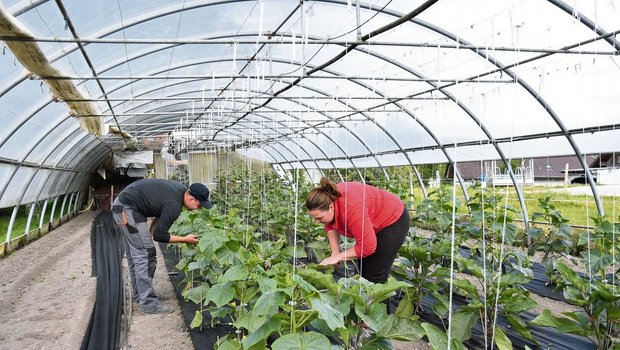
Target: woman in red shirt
x,y
376,219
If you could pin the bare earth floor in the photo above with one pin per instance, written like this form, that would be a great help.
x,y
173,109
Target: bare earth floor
x,y
46,292
47,295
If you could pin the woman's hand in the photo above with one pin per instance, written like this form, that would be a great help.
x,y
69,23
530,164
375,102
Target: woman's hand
x,y
332,260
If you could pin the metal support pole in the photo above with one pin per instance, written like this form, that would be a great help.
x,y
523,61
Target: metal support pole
x,y
78,199
420,181
69,205
62,207
10,228
358,20
29,221
43,213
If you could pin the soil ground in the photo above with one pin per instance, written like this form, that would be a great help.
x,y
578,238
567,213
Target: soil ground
x,y
46,289
47,295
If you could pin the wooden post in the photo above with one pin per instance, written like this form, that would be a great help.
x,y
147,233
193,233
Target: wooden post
x,y
566,176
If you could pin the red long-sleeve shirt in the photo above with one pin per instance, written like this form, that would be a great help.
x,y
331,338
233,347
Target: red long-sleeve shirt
x,y
363,210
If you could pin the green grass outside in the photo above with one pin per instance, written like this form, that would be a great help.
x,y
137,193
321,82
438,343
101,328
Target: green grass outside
x,y
19,226
578,209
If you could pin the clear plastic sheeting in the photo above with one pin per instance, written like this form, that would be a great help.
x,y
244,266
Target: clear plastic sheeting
x,y
311,84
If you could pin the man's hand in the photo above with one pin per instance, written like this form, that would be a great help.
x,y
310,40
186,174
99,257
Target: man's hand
x,y
332,260
192,239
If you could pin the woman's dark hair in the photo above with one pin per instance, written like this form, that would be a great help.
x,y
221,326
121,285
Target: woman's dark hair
x,y
322,196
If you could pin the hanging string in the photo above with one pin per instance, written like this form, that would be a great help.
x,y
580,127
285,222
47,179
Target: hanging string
x,y
485,330
499,265
452,248
613,229
588,232
296,224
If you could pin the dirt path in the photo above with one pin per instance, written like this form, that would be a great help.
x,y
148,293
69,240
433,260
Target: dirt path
x,y
46,292
160,331
47,295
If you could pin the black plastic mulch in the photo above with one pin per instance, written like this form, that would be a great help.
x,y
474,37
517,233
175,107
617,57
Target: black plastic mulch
x,y
104,327
547,338
208,336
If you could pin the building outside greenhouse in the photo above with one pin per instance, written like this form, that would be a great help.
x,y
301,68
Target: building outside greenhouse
x,y
492,126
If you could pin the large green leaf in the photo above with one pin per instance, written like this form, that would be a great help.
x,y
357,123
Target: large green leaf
x,y
182,264
197,294
405,308
519,325
575,296
267,285
571,276
465,287
501,340
374,343
333,317
382,291
235,273
462,323
302,341
343,305
250,321
438,338
290,251
220,294
265,330
516,300
268,303
227,254
375,317
595,260
510,279
197,321
401,329
212,241
200,264
319,279
304,285
228,343
563,324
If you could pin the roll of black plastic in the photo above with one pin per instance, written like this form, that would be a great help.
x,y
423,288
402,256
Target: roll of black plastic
x,y
104,328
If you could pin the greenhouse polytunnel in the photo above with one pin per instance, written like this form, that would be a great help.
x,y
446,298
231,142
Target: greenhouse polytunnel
x,y
496,123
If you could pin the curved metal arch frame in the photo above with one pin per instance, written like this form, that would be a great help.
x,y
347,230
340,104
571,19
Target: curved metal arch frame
x,y
482,127
540,100
310,141
306,87
61,142
292,100
339,147
116,28
217,3
98,157
281,123
143,54
584,20
35,144
572,143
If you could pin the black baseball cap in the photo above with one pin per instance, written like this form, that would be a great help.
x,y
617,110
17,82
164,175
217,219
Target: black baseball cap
x,y
200,192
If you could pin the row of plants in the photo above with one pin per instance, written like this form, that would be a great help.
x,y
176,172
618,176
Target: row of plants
x,y
255,269
242,273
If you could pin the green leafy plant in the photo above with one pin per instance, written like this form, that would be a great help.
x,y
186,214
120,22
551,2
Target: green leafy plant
x,y
599,300
500,273
241,274
422,260
555,240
